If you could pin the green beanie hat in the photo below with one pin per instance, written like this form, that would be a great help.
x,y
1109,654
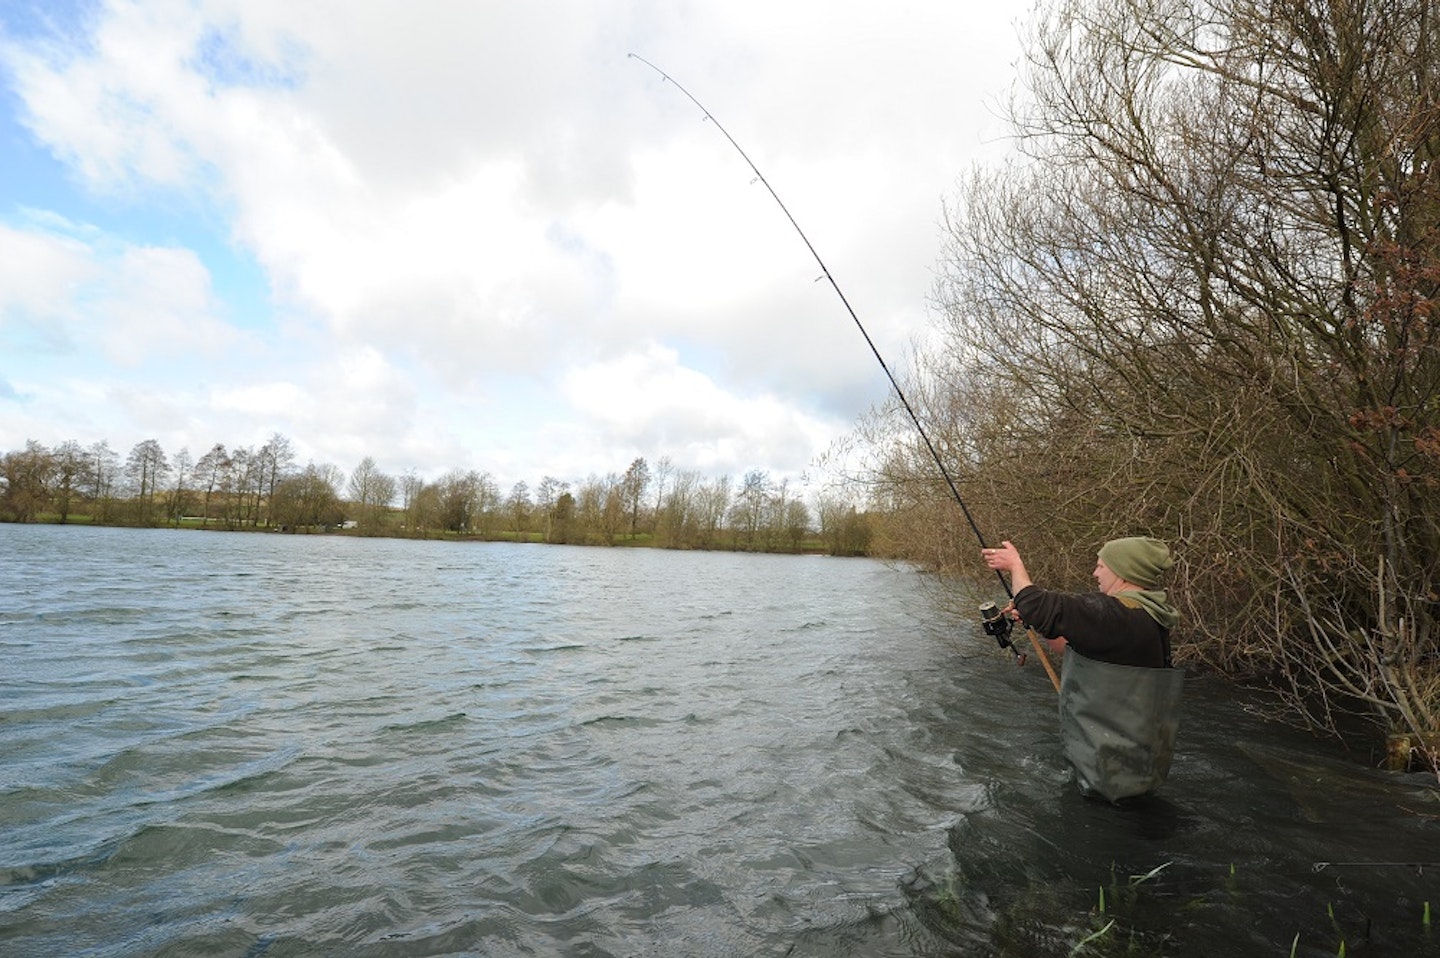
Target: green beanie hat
x,y
1137,559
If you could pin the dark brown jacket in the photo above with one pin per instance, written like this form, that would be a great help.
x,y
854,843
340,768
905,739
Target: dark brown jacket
x,y
1099,626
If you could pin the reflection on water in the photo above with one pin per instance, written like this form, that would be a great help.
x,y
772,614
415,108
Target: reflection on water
x,y
217,744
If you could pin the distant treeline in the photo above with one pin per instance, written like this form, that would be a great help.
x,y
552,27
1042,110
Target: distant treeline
x,y
245,488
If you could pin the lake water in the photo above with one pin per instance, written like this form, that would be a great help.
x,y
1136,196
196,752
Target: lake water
x,y
228,744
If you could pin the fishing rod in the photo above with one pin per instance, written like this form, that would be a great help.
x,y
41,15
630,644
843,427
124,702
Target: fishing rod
x,y
996,623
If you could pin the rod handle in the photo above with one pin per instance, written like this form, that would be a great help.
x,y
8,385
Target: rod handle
x,y
1044,659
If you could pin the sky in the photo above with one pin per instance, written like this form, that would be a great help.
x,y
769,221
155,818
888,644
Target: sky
x,y
478,234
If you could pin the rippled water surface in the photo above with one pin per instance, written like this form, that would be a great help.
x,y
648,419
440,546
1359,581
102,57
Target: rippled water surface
x,y
226,744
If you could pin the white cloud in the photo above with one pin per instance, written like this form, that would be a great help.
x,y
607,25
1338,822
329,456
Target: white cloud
x,y
486,236
262,400
648,400
136,302
37,274
158,302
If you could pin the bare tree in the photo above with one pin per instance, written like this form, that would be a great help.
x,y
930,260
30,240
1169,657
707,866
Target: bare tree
x,y
842,527
27,474
276,458
72,471
310,499
146,467
180,495
104,471
1203,308
632,490
663,468
410,487
796,523
748,514
211,476
547,502
372,492
243,503
679,523
518,506
458,499
563,517
424,511
712,503
488,504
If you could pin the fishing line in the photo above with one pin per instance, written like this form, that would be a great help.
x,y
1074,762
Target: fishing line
x,y
899,393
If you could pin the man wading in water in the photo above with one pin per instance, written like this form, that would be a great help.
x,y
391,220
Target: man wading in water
x,y
1119,696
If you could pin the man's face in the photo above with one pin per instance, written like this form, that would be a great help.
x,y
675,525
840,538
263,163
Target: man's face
x,y
1107,579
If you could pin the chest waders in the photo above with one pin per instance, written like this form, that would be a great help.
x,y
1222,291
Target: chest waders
x,y
1118,724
